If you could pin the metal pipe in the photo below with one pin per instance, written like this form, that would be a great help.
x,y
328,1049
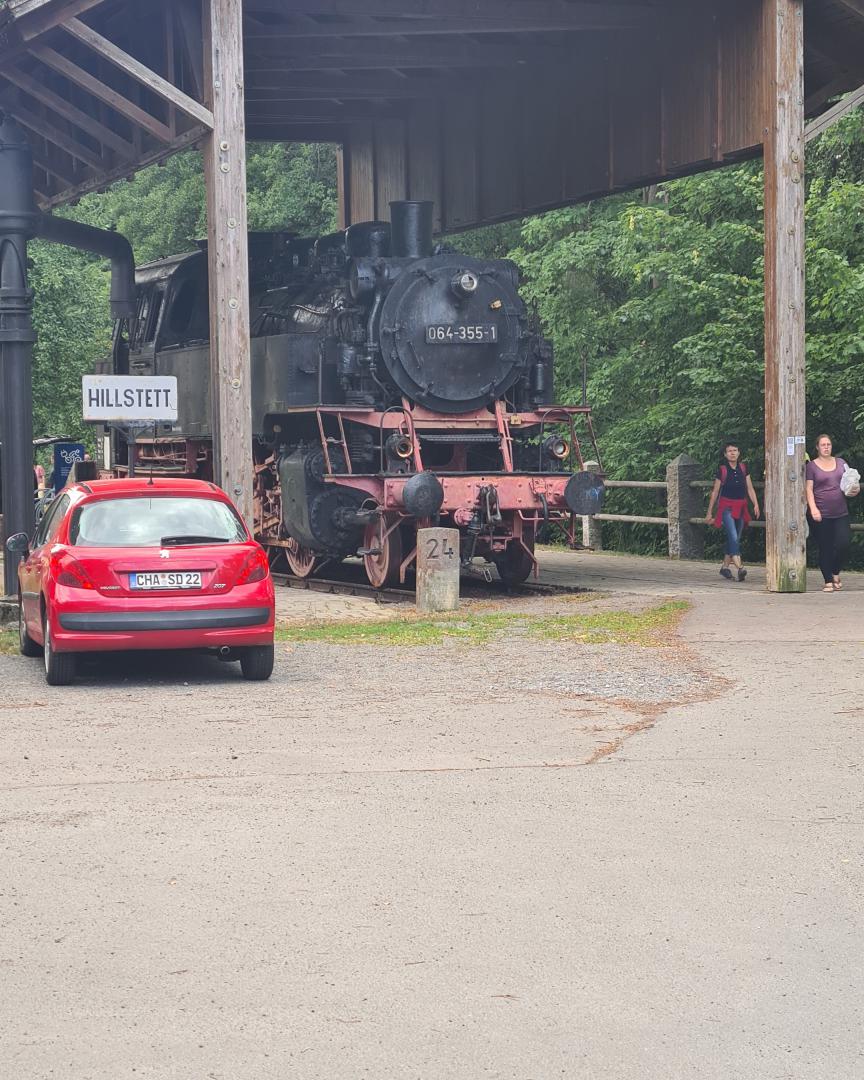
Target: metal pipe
x,y
111,245
17,217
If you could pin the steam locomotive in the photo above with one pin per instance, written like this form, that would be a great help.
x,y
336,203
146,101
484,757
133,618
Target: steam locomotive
x,y
394,383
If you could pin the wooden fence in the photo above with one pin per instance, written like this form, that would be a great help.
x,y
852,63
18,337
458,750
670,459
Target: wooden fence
x,y
686,496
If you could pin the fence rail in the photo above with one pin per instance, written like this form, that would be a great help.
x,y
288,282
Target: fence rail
x,y
685,490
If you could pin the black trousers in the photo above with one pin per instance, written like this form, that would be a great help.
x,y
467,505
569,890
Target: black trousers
x,y
833,537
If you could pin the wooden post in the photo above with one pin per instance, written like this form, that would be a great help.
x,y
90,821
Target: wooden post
x,y
228,252
784,297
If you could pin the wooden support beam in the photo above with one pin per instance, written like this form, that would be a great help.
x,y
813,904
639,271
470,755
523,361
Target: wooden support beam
x,y
44,161
126,169
138,71
784,297
408,90
583,19
228,253
60,105
98,89
189,26
462,54
37,17
856,7
832,115
274,110
53,134
540,10
841,85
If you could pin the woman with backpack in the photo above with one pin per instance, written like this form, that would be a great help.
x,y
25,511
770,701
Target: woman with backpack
x,y
733,486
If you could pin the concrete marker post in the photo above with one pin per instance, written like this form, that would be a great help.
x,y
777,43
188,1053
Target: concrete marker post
x,y
438,565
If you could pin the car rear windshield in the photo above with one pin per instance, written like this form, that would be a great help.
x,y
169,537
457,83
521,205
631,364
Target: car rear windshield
x,y
154,522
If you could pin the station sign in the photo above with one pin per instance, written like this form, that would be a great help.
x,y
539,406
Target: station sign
x,y
129,399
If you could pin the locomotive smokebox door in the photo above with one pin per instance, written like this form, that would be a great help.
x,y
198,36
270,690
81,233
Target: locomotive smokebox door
x,y
584,493
454,332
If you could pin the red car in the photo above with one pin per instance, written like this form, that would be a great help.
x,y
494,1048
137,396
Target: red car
x,y
143,564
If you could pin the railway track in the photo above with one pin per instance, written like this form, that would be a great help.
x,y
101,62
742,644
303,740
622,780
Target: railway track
x,y
471,587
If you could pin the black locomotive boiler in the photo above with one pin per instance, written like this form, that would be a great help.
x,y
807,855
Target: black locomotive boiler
x,y
394,383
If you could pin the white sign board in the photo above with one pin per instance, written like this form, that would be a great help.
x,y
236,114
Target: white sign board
x,y
129,399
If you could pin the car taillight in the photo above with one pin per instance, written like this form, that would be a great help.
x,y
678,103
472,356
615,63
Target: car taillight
x,y
71,573
255,568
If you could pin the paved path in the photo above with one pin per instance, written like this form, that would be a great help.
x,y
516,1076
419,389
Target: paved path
x,y
206,879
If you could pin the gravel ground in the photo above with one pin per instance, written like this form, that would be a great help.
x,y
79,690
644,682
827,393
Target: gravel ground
x,y
517,861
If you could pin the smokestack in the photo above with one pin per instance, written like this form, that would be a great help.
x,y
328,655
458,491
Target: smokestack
x,y
411,229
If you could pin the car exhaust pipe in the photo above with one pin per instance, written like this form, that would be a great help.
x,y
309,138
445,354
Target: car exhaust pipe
x,y
224,652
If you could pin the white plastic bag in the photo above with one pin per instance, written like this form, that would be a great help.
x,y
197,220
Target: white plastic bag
x,y
850,482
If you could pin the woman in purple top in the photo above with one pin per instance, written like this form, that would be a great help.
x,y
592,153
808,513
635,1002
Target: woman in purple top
x,y
828,509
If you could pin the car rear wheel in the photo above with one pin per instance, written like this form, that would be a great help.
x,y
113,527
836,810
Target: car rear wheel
x,y
59,667
256,662
26,644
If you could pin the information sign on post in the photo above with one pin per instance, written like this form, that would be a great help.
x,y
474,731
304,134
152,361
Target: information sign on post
x,y
65,456
129,399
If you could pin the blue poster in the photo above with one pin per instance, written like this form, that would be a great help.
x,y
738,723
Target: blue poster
x,y
65,456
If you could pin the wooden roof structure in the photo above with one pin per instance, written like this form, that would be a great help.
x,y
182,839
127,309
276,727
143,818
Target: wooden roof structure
x,y
491,108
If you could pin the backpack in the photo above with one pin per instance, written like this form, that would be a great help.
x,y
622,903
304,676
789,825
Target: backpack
x,y
724,471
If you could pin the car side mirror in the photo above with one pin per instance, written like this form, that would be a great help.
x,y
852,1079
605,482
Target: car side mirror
x,y
18,544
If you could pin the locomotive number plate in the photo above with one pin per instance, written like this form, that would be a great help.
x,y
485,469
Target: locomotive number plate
x,y
175,579
448,334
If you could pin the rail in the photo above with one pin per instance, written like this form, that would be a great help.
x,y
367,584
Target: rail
x,y
685,491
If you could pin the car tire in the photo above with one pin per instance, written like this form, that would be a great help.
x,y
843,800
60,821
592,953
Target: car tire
x,y
256,662
59,667
26,644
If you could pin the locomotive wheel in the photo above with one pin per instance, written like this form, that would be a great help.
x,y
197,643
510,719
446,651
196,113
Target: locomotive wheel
x,y
514,564
301,560
382,565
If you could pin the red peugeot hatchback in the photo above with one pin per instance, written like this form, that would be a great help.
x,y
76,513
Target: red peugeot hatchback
x,y
143,564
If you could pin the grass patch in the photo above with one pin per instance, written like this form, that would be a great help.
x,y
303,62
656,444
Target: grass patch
x,y
470,629
8,639
649,628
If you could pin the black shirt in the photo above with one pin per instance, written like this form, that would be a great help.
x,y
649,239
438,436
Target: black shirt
x,y
735,484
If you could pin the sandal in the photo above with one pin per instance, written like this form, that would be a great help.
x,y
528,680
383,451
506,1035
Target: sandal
x,y
742,573
838,585
828,587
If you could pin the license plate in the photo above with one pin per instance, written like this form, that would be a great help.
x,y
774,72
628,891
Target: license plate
x,y
170,579
449,334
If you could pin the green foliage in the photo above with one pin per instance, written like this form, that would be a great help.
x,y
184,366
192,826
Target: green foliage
x,y
660,293
71,318
162,211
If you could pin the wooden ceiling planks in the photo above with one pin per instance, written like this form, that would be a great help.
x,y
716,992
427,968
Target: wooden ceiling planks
x,y
493,108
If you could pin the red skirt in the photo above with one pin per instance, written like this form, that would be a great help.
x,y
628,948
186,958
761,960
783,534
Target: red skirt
x,y
738,507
